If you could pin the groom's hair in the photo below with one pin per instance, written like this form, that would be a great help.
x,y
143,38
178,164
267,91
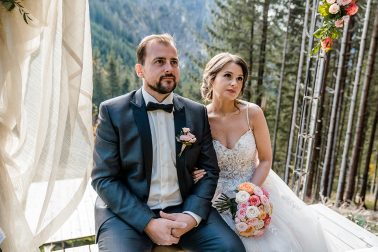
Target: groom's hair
x,y
161,38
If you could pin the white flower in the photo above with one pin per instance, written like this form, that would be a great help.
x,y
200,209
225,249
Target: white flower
x,y
252,212
260,224
257,190
344,2
241,226
334,8
331,1
242,197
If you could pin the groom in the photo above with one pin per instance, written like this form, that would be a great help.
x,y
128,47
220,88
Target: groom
x,y
142,172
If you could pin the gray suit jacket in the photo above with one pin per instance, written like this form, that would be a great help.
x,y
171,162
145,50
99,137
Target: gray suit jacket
x,y
122,155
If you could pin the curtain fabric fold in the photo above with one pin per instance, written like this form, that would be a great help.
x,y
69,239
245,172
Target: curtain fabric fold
x,y
46,136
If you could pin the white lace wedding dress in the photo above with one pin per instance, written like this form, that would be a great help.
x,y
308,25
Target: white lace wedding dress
x,y
294,226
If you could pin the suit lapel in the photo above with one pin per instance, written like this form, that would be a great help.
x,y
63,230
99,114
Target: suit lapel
x,y
180,122
141,120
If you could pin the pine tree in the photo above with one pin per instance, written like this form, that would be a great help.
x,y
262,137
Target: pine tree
x,y
113,77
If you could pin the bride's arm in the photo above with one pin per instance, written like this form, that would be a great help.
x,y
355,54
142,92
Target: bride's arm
x,y
261,132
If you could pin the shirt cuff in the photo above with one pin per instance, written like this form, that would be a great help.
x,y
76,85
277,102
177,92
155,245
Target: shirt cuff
x,y
195,216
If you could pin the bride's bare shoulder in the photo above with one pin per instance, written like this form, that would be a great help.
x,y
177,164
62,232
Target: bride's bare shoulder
x,y
252,108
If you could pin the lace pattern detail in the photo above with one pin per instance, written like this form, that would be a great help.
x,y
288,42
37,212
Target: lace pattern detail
x,y
237,164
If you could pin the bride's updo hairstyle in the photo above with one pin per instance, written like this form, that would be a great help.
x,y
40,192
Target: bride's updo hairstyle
x,y
214,66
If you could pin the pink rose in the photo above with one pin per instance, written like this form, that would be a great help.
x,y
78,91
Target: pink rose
x,y
257,190
241,213
185,130
193,140
339,23
331,1
185,138
237,220
351,9
254,200
343,2
334,8
264,200
190,135
242,205
265,192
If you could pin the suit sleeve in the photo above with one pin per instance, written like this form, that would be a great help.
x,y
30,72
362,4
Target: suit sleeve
x,y
106,174
199,202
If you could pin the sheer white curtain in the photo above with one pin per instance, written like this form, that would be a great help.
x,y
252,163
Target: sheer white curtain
x,y
46,135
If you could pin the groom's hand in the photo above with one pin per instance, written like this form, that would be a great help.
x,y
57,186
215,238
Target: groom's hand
x,y
180,217
160,231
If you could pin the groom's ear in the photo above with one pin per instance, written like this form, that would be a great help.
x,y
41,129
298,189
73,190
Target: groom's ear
x,y
139,70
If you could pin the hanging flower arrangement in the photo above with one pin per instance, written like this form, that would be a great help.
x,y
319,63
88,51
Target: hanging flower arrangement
x,y
334,13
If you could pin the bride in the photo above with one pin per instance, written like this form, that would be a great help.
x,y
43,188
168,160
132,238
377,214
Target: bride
x,y
240,132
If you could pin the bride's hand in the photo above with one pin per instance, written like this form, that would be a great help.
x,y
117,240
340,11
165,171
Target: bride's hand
x,y
198,174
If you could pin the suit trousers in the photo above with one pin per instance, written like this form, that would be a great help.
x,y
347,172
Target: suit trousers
x,y
213,234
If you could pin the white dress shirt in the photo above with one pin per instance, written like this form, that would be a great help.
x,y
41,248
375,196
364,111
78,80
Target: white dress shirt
x,y
164,189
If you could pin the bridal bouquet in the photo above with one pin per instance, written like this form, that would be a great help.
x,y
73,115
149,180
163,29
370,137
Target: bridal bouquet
x,y
250,208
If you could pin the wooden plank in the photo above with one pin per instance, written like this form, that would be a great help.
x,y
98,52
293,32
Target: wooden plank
x,y
373,249
88,248
81,222
342,232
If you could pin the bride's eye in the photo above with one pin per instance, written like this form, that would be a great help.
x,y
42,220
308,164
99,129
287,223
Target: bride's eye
x,y
227,75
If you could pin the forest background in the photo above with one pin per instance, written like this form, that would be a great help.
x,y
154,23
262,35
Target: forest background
x,y
268,35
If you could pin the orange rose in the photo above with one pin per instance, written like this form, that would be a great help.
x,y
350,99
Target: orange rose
x,y
248,233
246,186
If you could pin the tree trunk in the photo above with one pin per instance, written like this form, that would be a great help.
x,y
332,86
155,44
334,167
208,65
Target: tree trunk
x,y
332,120
367,81
368,159
343,168
282,74
376,184
262,56
340,115
248,89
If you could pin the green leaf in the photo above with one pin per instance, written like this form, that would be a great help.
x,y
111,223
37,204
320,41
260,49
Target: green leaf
x,y
224,203
315,50
318,33
323,9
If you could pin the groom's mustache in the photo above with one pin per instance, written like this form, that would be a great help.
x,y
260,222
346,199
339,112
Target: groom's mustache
x,y
167,76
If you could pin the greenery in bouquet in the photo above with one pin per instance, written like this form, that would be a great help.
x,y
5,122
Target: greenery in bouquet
x,y
335,13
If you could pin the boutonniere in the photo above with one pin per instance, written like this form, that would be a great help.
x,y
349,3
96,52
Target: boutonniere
x,y
186,139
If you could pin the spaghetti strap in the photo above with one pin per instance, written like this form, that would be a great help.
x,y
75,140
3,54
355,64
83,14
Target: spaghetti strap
x,y
249,125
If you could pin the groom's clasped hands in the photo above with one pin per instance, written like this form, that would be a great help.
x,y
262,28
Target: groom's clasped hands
x,y
168,229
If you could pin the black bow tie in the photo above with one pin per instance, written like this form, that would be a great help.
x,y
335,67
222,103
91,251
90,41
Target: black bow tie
x,y
154,106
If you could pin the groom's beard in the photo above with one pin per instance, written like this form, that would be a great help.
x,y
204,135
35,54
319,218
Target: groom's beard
x,y
160,88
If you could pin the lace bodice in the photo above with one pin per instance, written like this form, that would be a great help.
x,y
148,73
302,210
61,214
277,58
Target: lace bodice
x,y
237,164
